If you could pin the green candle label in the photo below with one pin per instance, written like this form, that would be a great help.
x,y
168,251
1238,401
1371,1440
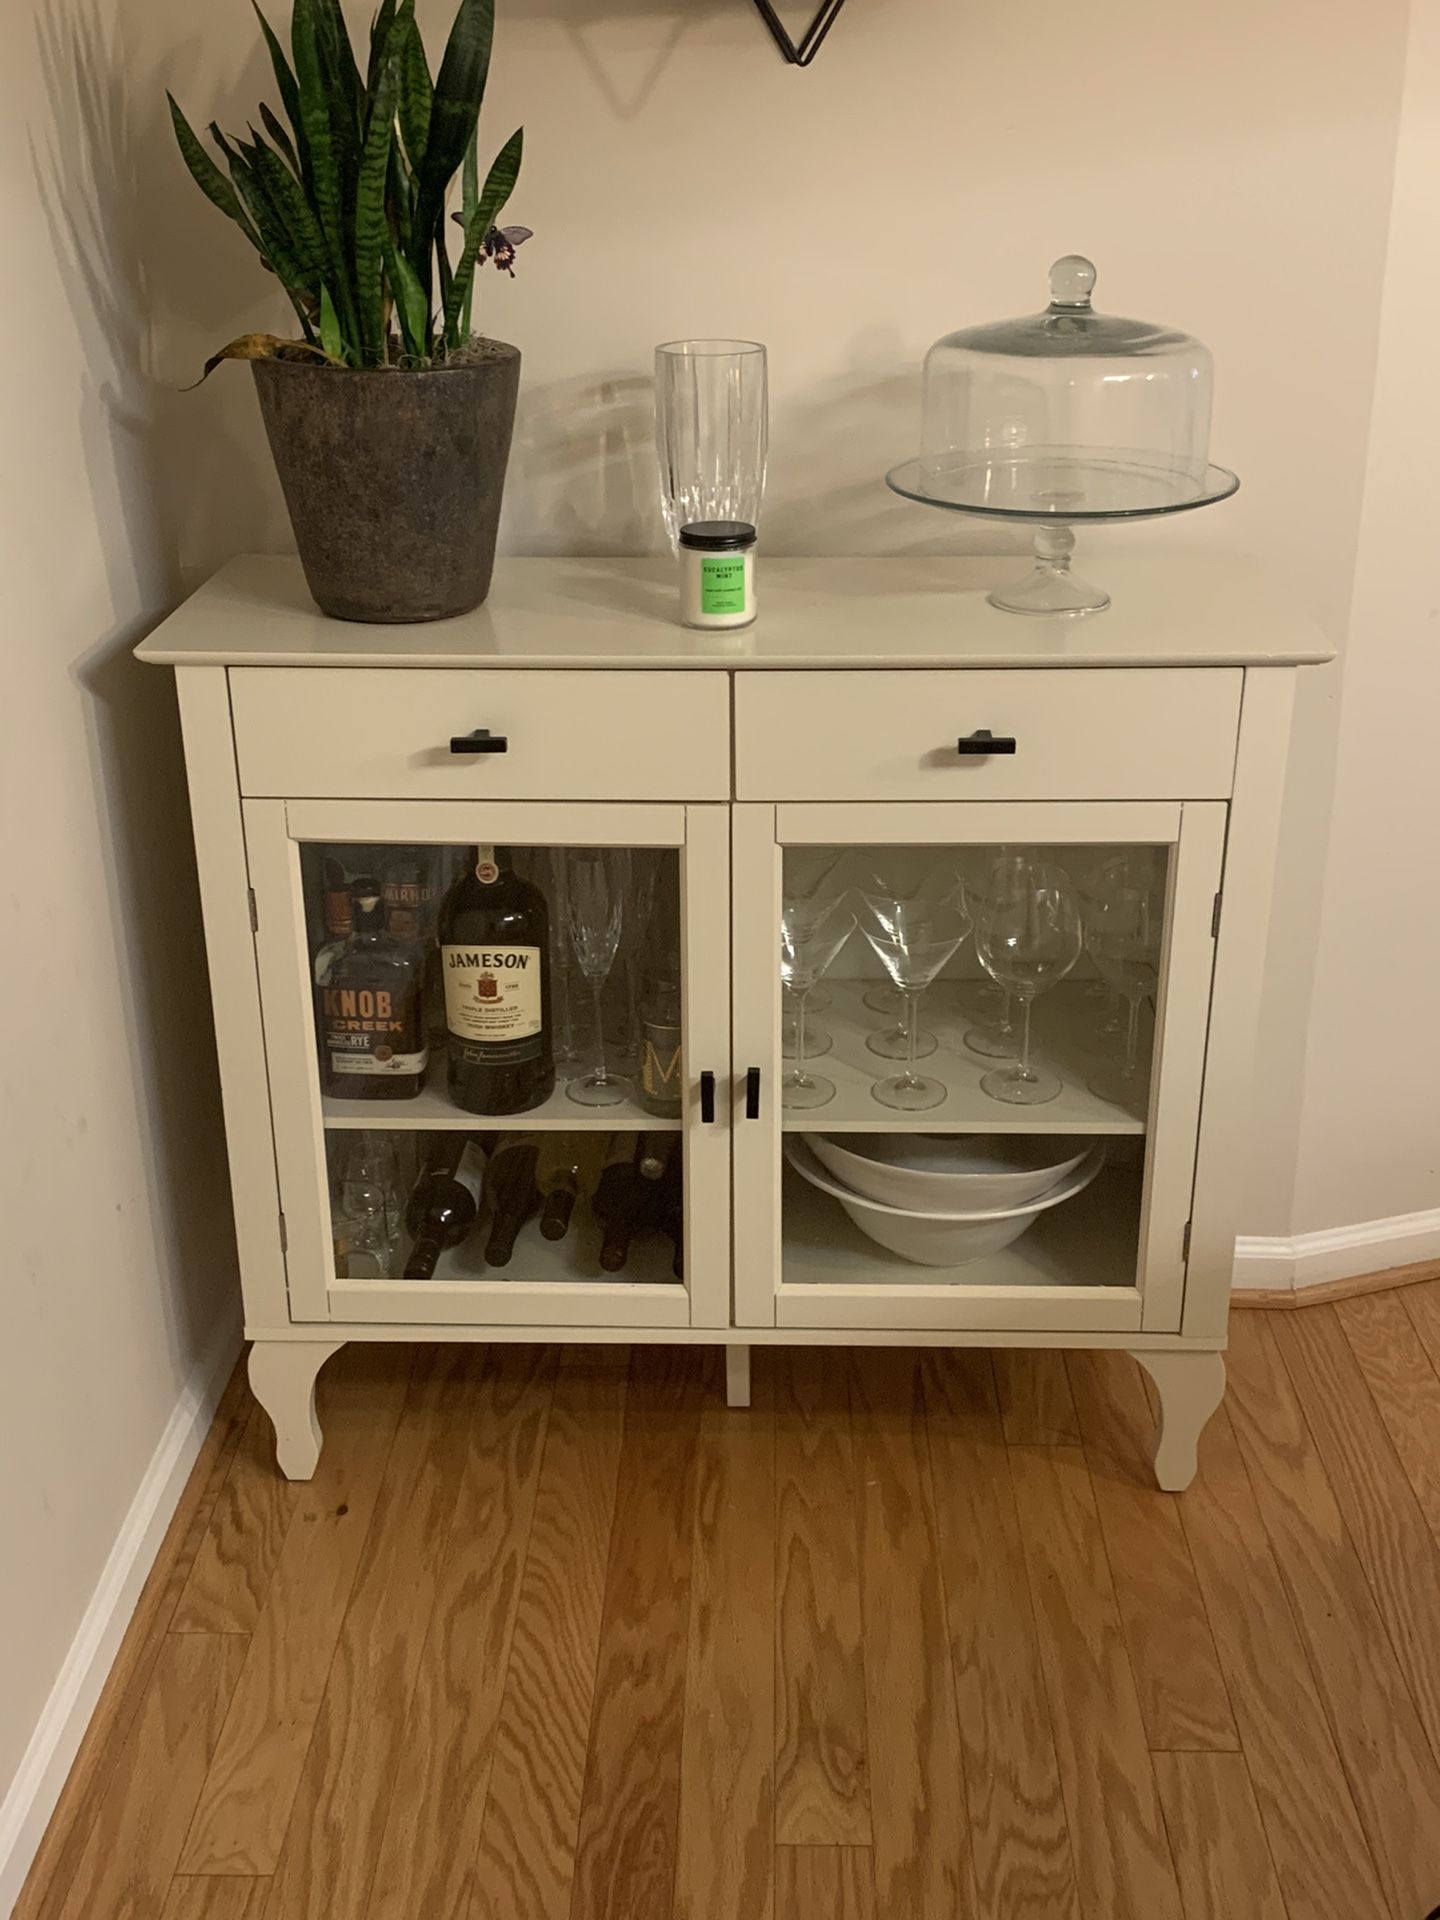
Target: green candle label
x,y
722,583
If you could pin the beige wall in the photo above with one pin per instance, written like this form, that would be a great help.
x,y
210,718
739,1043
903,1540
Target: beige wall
x,y
118,1251
1370,1127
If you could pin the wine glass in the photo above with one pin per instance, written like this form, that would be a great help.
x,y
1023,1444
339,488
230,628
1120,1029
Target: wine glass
x,y
913,939
711,431
812,932
599,883
1122,934
1028,937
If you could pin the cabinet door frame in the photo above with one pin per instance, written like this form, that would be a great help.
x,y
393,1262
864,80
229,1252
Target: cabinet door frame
x,y
1195,831
274,831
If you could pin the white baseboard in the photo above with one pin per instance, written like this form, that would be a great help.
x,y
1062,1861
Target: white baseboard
x,y
1336,1253
30,1799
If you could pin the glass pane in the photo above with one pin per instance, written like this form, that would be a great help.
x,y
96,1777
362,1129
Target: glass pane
x,y
967,1036
498,1036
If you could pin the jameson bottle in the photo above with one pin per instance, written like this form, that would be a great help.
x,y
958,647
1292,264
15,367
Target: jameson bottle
x,y
369,1012
495,959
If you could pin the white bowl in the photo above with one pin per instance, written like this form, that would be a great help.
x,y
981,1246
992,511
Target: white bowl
x,y
936,1239
948,1173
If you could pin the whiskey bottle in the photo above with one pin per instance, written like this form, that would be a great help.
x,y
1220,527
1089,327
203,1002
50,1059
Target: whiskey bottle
x,y
495,958
444,1205
658,1082
369,1013
513,1194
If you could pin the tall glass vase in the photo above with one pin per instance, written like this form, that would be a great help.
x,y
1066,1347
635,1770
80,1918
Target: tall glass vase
x,y
712,430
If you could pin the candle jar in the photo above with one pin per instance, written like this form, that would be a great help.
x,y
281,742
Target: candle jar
x,y
717,573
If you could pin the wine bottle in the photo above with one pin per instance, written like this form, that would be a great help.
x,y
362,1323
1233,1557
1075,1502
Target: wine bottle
x,y
444,1204
625,1197
658,1083
670,1209
513,1194
369,1012
495,956
569,1165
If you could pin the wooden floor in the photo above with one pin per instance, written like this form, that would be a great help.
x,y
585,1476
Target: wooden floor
x,y
554,1634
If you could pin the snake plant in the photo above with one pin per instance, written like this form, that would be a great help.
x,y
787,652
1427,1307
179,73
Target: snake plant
x,y
347,203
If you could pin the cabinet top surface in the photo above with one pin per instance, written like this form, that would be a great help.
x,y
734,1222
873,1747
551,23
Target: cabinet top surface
x,y
1169,610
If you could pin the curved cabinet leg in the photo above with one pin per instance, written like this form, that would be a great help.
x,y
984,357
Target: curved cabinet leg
x,y
1191,1387
282,1378
737,1376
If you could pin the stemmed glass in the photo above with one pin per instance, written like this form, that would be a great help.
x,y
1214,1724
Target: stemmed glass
x,y
711,431
913,939
1027,935
812,932
937,881
599,884
1122,935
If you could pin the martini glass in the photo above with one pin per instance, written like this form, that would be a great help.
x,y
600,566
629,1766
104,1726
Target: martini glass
x,y
913,939
812,932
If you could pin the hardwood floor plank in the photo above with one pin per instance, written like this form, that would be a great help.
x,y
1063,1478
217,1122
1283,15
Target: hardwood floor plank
x,y
437,1794
1036,1406
610,1354
1221,1855
1422,1306
823,1883
1122,1861
202,1896
1020,1842
525,1866
57,1858
918,1815
625,1858
357,1749
1172,1653
727,1773
236,1562
1405,1386
1321,1856
1391,1769
1376,1500
822,1792
146,1803
240,1823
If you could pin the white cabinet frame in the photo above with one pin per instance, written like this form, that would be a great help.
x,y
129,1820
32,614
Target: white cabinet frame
x,y
1194,831
274,830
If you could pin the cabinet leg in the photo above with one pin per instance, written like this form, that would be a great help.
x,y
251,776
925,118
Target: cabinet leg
x,y
737,1376
282,1378
1191,1387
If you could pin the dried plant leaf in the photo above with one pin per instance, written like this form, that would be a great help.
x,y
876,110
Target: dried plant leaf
x,y
264,346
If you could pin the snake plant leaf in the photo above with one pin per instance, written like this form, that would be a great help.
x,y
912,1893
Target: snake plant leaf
x,y
278,132
341,52
371,226
459,91
469,201
284,79
326,192
499,184
417,92
379,34
279,251
412,309
330,336
259,346
208,177
287,198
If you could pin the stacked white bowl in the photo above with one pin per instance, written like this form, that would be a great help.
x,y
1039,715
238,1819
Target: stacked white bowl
x,y
943,1200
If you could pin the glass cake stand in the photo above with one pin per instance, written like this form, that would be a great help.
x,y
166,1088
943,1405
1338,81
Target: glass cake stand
x,y
1054,491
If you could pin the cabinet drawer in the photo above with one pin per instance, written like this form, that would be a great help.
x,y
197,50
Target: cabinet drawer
x,y
383,734
1121,734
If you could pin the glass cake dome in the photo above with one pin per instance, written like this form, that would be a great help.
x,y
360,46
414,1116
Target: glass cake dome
x,y
1063,417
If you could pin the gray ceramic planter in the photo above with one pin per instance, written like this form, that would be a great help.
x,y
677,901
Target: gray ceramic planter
x,y
393,480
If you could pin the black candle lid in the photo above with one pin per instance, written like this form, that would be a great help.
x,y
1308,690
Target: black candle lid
x,y
718,536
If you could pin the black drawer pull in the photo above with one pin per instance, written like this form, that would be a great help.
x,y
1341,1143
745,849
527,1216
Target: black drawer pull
x,y
481,741
752,1094
983,741
707,1098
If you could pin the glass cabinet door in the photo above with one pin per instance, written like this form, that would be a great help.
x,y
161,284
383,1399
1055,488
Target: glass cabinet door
x,y
972,1040
496,1039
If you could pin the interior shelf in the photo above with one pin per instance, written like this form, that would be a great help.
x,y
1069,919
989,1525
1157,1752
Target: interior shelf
x,y
433,1109
538,1261
1062,1041
1090,1241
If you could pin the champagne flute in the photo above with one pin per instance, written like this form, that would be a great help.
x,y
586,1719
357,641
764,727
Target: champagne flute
x,y
812,932
599,882
1028,937
913,939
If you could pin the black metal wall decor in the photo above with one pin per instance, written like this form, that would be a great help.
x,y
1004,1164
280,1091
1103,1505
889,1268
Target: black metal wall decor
x,y
813,38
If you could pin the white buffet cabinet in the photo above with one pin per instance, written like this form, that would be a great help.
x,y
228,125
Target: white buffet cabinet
x,y
835,722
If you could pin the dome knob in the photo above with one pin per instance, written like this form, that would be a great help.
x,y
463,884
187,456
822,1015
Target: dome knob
x,y
1072,281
